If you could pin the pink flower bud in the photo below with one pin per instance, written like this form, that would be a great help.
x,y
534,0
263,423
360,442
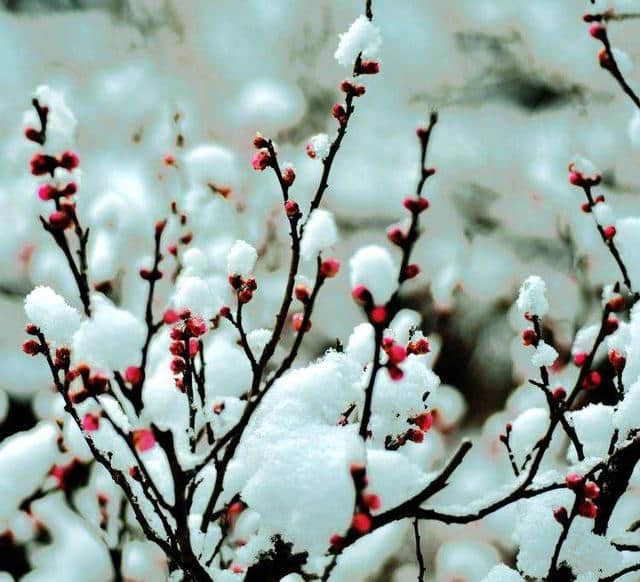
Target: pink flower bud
x,y
574,481
291,208
529,337
329,267
592,380
560,515
588,509
302,293
143,439
579,359
288,175
368,68
416,205
372,501
133,374
397,354
91,422
361,522
31,347
361,294
609,232
591,490
378,315
69,160
411,271
596,30
559,393
617,360
259,141
59,220
616,303
297,320
46,192
170,316
395,373
397,236
424,421
261,160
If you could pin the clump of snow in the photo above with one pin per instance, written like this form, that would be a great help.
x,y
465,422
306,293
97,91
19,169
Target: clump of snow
x,y
373,267
52,314
527,430
111,339
594,426
532,297
545,355
362,37
195,294
318,146
241,259
320,233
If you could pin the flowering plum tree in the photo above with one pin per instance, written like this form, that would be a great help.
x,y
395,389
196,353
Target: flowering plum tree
x,y
186,442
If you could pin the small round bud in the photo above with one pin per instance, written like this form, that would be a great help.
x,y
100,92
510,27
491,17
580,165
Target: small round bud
x,y
617,360
609,232
298,320
288,175
261,160
574,481
529,337
368,68
416,205
291,208
302,293
378,315
259,141
596,30
588,509
361,523
592,380
579,359
329,267
31,347
560,515
411,271
133,375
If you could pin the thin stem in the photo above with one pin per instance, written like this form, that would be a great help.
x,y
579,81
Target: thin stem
x,y
421,567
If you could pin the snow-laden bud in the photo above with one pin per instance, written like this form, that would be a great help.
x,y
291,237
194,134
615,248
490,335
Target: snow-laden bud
x,y
532,299
241,259
320,233
52,314
545,355
372,268
583,172
318,146
362,38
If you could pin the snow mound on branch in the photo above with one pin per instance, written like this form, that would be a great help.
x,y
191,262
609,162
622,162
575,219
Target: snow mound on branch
x,y
320,233
111,339
362,37
52,314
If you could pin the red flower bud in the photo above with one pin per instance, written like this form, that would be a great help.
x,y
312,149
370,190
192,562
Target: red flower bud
x,y
297,320
133,374
259,141
411,271
59,220
368,68
596,30
591,490
361,523
579,359
372,501
361,294
424,421
414,435
69,160
291,208
617,360
574,481
397,354
416,205
91,422
302,293
395,373
588,509
143,439
529,337
559,393
592,380
329,268
609,232
170,316
397,236
261,160
560,515
616,303
378,315
31,347
288,175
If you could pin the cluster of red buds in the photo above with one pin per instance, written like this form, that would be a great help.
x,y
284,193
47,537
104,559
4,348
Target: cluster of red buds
x,y
92,384
415,434
578,178
185,343
378,314
244,287
418,347
396,354
598,30
361,522
586,491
